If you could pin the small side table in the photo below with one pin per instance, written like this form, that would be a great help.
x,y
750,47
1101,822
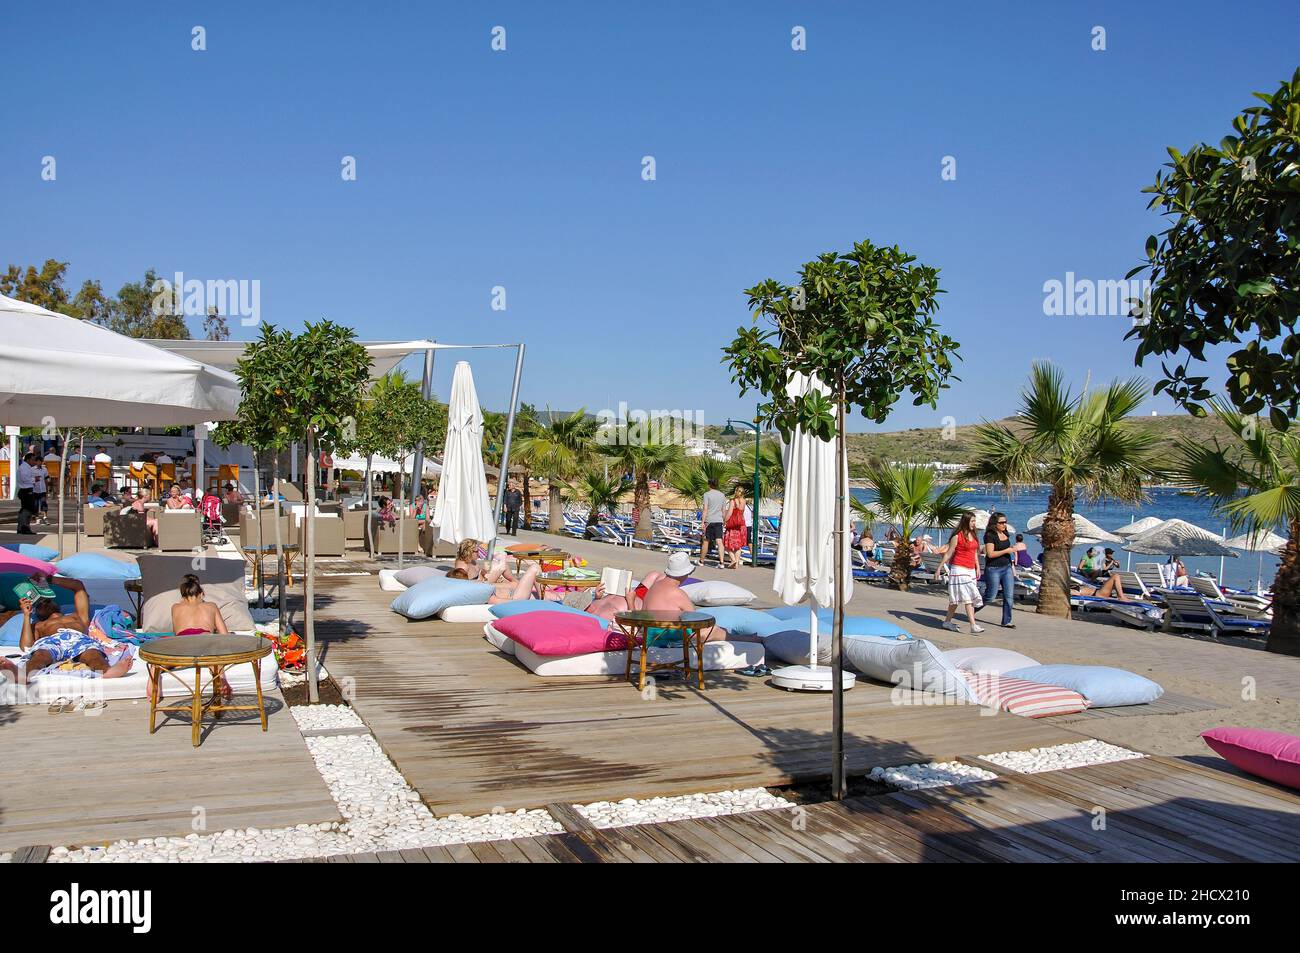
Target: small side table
x,y
135,590
693,626
256,554
555,580
210,651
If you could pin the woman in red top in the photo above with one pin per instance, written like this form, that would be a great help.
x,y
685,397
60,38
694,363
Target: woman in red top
x,y
961,556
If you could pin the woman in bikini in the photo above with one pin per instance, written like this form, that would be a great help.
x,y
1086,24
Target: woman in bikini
x,y
193,615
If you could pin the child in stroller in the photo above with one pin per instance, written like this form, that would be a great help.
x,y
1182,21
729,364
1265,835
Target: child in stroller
x,y
213,526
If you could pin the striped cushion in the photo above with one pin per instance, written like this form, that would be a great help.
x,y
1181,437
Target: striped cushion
x,y
1022,697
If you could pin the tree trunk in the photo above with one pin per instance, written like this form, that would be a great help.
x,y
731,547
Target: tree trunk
x,y
401,507
1058,538
257,512
370,492
309,572
645,528
1284,636
555,518
528,500
279,540
900,572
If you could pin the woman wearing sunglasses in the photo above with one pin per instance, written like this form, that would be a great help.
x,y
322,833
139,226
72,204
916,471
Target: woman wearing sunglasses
x,y
999,566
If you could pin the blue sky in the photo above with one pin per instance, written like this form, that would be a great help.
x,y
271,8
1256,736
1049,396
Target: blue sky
x,y
522,168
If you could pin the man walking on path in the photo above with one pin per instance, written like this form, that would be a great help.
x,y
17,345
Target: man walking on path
x,y
712,526
512,502
27,501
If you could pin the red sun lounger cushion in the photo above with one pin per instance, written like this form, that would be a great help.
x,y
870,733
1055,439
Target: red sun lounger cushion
x,y
559,633
1266,754
1022,697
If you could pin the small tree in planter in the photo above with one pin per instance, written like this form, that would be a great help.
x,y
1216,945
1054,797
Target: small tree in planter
x,y
313,385
862,324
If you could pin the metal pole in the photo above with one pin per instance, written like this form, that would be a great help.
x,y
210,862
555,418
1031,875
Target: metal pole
x,y
426,391
753,540
505,452
838,788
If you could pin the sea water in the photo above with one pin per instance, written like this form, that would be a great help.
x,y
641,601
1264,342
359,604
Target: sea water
x,y
1164,504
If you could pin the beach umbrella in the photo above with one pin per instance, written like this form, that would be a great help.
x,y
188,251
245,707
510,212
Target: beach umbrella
x,y
1266,542
1086,532
1178,537
462,510
805,558
11,560
1138,526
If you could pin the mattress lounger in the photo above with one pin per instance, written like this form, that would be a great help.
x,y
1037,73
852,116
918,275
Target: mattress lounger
x,y
718,656
1144,615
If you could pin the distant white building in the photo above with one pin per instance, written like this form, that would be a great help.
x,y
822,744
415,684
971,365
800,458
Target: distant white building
x,y
703,447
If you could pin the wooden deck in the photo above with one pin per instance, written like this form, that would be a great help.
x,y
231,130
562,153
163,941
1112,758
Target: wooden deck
x,y
76,779
1153,810
472,730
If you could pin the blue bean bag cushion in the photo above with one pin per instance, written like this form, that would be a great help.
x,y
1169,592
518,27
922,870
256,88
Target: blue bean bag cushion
x,y
796,617
11,630
96,566
1104,687
505,610
437,593
43,553
740,620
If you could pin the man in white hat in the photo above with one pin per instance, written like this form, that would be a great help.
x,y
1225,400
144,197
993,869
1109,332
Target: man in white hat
x,y
665,593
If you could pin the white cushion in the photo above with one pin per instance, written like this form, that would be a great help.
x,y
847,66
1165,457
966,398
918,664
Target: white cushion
x,y
914,663
478,613
988,660
718,592
502,642
388,581
718,656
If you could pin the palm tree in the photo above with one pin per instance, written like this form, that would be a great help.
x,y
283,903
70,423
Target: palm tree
x,y
601,493
559,449
910,496
771,469
692,476
1255,483
647,459
1076,444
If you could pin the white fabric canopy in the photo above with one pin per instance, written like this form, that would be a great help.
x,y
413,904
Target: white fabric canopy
x,y
72,373
1086,531
805,561
1178,538
384,465
1266,542
1139,526
462,510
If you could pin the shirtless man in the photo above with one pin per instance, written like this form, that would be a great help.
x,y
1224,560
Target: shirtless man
x,y
666,595
59,637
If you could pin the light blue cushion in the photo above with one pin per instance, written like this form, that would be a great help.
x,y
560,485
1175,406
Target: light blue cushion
x,y
740,620
437,593
505,610
796,617
11,630
1104,687
43,553
96,566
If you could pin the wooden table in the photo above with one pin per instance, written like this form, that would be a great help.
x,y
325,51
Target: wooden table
x,y
211,651
555,580
540,556
693,626
255,555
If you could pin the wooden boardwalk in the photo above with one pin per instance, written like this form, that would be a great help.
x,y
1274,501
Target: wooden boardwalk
x,y
472,730
1153,810
75,779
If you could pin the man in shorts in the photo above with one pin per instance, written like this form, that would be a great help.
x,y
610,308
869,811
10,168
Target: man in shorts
x,y
712,521
57,637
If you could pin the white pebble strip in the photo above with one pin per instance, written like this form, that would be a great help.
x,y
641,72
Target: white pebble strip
x,y
936,774
5,858
380,812
658,809
311,717
1058,757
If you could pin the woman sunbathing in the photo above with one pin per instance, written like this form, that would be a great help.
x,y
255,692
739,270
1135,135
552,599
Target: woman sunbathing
x,y
1112,588
507,590
193,615
467,560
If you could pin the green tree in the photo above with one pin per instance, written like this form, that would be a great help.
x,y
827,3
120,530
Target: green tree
x,y
771,469
647,457
558,449
910,496
146,309
1255,482
1076,444
600,493
1227,269
692,475
314,384
862,325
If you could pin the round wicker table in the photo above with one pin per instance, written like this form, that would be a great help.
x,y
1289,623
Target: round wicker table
x,y
637,627
211,651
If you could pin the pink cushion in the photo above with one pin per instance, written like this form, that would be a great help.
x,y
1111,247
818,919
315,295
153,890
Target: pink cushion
x,y
1022,697
1267,754
558,633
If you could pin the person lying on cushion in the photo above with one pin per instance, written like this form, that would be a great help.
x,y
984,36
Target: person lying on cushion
x,y
468,556
506,590
1112,588
607,606
194,615
665,594
57,637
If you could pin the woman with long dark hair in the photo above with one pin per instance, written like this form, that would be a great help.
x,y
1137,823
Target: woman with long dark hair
x,y
961,556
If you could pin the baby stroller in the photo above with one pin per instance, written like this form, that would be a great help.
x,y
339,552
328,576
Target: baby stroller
x,y
213,526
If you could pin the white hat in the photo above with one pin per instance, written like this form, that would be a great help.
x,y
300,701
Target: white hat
x,y
679,566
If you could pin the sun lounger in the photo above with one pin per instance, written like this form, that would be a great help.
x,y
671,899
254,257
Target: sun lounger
x,y
1191,612
1137,613
1247,604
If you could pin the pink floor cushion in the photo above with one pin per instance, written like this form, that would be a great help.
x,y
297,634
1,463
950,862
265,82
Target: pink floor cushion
x,y
559,633
1266,754
1022,697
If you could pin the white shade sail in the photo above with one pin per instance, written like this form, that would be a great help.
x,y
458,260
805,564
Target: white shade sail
x,y
805,560
61,371
1086,532
1178,538
1139,526
463,510
1266,542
